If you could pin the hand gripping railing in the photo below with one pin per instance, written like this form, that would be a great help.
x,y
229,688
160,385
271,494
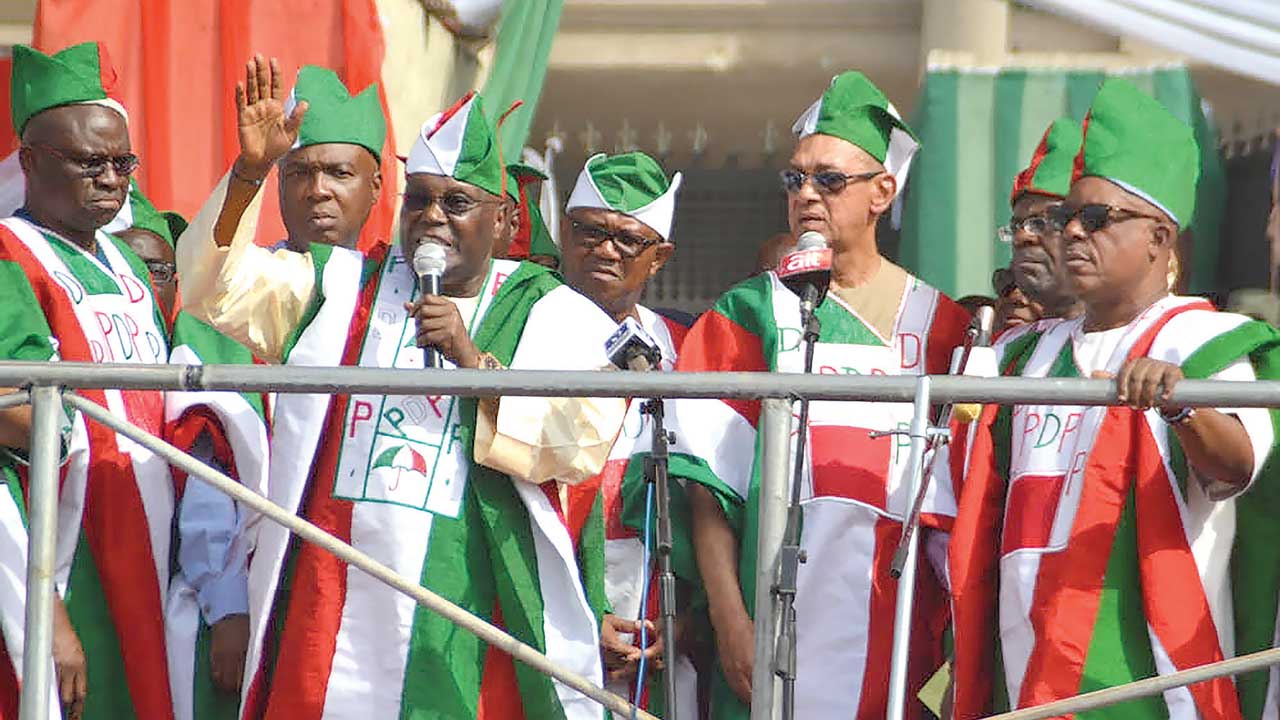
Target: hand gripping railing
x,y
42,385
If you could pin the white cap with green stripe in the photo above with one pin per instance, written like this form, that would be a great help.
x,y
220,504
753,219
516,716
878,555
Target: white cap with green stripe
x,y
631,183
855,110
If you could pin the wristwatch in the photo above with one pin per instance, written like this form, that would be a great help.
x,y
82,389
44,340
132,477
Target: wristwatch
x,y
488,362
1178,417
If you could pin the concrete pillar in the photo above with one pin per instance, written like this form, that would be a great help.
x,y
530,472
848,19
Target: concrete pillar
x,y
978,27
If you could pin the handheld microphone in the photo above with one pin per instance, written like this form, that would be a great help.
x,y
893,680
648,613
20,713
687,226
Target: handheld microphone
x,y
977,359
631,348
428,264
806,271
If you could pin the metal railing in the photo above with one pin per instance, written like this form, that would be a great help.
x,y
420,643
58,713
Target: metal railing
x,y
43,384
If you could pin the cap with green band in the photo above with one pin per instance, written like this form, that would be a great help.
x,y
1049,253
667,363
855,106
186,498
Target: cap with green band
x,y
1136,143
78,75
631,183
855,110
1052,164
459,143
334,115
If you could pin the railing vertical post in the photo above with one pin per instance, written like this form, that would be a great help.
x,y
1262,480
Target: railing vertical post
x,y
42,508
907,582
775,429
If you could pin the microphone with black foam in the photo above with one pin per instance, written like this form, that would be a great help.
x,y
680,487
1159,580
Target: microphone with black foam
x,y
806,271
631,348
429,264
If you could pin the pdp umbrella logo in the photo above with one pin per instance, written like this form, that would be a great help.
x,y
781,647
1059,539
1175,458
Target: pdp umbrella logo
x,y
402,459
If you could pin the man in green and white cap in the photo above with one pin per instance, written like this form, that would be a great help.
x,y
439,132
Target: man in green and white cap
x,y
529,238
849,163
1037,265
1105,545
620,217
460,493
72,292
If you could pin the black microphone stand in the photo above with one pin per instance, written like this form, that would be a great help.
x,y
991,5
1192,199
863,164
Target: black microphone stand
x,y
790,556
656,472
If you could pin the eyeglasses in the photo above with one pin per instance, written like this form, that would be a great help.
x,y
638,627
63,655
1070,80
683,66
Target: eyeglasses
x,y
1095,216
92,166
162,272
1038,225
455,204
827,182
628,245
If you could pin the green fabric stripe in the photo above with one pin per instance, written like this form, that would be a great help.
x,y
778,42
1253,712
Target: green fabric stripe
x,y
320,255
213,347
750,305
95,281
108,697
634,487
838,326
1255,574
1120,649
1082,85
975,201
590,557
525,36
208,702
24,334
932,202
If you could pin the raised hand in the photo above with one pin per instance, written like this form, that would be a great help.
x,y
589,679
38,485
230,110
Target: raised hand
x,y
266,133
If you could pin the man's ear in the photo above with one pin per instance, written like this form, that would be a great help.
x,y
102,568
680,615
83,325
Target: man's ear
x,y
1163,235
501,217
660,258
884,187
25,160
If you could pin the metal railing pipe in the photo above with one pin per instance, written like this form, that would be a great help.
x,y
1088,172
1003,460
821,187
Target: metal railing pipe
x,y
354,380
42,522
1145,688
488,633
905,601
14,399
775,497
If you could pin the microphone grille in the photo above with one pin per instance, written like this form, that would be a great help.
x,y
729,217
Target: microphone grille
x,y
429,259
810,240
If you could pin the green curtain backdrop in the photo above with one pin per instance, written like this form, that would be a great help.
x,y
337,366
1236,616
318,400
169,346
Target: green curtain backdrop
x,y
978,127
525,34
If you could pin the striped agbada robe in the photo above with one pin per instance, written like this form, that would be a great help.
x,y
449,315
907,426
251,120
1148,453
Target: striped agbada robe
x,y
855,489
61,302
1087,541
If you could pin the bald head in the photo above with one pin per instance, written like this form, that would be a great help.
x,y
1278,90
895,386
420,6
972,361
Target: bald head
x,y
72,185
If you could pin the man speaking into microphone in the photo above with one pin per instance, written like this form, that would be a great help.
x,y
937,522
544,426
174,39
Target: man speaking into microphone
x,y
849,164
464,495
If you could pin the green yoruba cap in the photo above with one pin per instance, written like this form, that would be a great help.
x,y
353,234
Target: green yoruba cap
x,y
631,183
1053,163
855,110
532,236
459,143
1136,143
80,74
177,223
335,115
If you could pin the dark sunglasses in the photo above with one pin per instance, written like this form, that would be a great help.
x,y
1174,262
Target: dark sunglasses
x,y
1095,216
454,204
827,182
628,245
92,166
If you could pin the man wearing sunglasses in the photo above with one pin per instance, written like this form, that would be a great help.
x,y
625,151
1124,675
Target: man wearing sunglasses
x,y
848,165
1037,266
463,494
72,292
1105,545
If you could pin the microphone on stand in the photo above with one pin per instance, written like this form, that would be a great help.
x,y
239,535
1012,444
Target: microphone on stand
x,y
977,359
631,348
806,271
428,264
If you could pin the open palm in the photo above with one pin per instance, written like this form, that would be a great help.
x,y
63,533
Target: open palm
x,y
266,132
